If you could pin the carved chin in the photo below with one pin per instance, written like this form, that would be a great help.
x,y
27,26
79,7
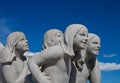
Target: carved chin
x,y
83,45
96,52
25,49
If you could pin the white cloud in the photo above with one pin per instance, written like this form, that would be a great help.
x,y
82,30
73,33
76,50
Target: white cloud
x,y
109,66
110,55
4,30
28,53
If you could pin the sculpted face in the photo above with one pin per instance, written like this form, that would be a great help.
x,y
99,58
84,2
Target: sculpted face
x,y
22,44
94,45
81,38
58,38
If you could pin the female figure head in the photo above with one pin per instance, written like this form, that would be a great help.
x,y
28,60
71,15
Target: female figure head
x,y
16,45
75,38
52,37
93,44
17,41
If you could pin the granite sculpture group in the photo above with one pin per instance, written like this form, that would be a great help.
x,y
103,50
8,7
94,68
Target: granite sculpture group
x,y
68,57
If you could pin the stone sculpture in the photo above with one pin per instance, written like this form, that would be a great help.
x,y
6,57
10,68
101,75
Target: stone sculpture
x,y
64,58
91,70
58,56
92,51
51,38
14,64
50,59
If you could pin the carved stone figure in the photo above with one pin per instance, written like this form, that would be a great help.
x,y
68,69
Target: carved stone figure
x,y
51,38
14,64
65,58
56,60
51,60
92,51
91,70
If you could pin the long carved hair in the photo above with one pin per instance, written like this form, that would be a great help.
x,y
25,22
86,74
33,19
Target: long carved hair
x,y
8,53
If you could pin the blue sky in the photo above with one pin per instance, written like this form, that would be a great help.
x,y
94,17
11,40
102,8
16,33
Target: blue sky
x,y
36,17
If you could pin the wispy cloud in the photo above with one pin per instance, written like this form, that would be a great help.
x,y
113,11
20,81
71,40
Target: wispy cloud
x,y
109,66
4,30
110,55
28,53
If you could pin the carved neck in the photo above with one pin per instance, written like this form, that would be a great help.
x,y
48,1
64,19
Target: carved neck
x,y
76,49
80,53
89,55
19,54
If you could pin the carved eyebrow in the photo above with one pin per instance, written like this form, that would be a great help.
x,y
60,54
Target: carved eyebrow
x,y
22,39
95,42
83,34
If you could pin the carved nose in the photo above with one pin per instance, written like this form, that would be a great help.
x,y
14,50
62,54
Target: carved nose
x,y
99,45
26,41
86,39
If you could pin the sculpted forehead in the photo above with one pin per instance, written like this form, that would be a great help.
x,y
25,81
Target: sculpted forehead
x,y
83,30
21,36
92,36
95,39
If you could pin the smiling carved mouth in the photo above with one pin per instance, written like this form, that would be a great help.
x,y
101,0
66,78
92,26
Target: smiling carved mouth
x,y
97,49
84,42
27,46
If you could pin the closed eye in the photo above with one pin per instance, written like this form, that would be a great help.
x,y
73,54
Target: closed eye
x,y
58,35
95,42
22,39
83,34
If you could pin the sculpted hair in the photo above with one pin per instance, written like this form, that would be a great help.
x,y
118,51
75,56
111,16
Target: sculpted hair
x,y
49,38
